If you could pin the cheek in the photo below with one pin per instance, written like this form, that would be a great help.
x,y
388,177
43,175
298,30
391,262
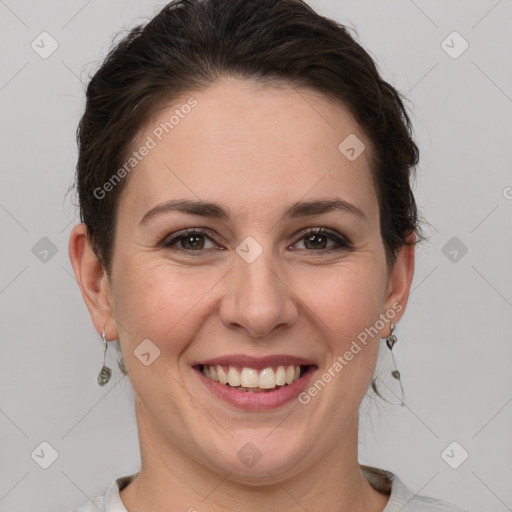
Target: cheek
x,y
162,302
347,299
159,302
347,305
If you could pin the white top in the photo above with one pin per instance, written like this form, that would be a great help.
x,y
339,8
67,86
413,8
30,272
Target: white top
x,y
400,499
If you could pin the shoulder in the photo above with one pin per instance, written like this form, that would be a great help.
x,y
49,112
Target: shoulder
x,y
111,500
401,497
97,503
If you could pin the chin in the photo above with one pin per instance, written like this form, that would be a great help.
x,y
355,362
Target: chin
x,y
259,456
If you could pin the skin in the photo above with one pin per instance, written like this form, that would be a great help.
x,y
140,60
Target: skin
x,y
254,149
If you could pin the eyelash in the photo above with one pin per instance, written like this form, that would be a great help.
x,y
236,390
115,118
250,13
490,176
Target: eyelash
x,y
343,243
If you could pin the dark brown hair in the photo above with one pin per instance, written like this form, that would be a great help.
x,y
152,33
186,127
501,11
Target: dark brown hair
x,y
190,44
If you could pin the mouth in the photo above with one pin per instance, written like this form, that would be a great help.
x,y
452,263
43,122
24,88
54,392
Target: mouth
x,y
252,380
255,384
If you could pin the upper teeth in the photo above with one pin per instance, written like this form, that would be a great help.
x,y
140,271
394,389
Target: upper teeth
x,y
251,378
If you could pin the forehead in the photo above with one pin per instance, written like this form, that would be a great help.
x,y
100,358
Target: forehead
x,y
241,143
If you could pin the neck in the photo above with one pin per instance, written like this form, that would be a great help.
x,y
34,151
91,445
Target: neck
x,y
171,476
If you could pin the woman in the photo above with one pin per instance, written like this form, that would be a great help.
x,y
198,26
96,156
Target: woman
x,y
248,236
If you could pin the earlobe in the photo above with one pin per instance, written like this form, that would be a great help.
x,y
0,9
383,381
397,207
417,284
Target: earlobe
x,y
92,280
400,279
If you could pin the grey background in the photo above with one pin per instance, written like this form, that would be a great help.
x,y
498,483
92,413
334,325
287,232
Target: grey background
x,y
454,349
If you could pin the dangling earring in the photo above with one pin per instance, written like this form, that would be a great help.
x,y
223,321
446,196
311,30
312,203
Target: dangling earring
x,y
390,342
106,372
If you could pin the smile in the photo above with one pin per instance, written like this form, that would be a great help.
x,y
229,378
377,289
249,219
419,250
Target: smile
x,y
253,381
255,384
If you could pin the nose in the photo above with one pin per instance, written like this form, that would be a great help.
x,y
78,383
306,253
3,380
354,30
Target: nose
x,y
258,298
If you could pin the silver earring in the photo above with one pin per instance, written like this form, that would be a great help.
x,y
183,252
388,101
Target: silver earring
x,y
105,372
390,342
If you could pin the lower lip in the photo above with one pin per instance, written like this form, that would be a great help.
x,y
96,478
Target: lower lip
x,y
257,401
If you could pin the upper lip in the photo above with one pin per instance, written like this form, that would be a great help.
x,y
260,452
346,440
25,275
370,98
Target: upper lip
x,y
258,363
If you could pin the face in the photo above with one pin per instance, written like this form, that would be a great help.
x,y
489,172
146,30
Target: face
x,y
253,290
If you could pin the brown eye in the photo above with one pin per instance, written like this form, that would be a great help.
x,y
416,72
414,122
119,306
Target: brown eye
x,y
317,240
193,241
190,240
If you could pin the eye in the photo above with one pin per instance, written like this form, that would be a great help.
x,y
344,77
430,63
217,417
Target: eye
x,y
318,237
315,240
192,240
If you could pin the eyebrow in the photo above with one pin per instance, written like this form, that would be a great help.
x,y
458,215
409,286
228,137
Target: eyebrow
x,y
216,211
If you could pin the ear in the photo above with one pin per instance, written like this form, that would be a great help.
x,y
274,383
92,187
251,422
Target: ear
x,y
93,282
399,281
